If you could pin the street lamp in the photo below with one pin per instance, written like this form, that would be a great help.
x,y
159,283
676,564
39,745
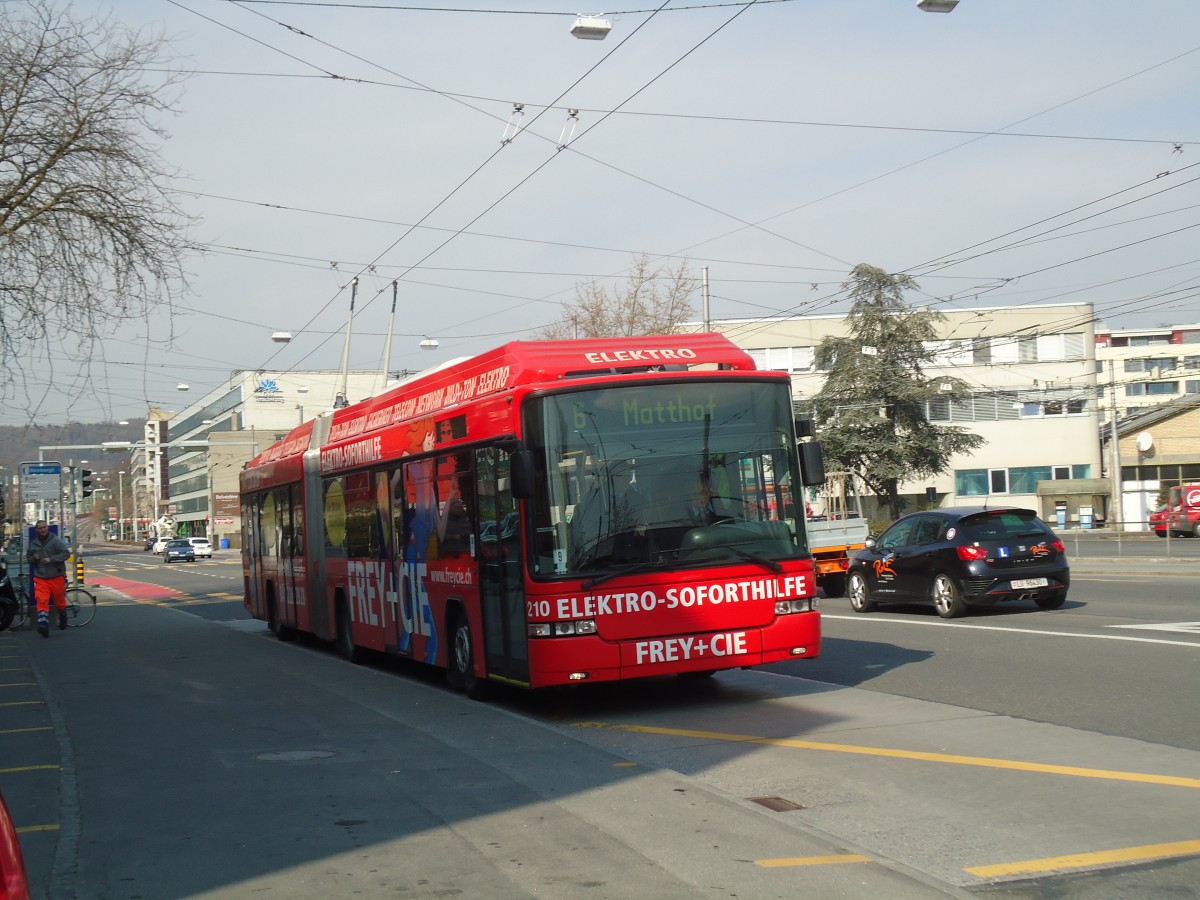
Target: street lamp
x,y
591,28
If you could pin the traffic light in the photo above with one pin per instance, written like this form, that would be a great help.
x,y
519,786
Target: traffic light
x,y
85,481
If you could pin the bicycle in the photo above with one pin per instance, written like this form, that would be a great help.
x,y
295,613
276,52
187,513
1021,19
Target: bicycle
x,y
81,606
80,609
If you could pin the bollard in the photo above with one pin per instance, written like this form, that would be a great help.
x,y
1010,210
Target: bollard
x,y
79,571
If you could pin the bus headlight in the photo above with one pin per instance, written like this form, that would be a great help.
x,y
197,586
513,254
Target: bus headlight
x,y
561,629
787,607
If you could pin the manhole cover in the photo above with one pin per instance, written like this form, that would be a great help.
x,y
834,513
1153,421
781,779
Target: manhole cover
x,y
778,804
294,755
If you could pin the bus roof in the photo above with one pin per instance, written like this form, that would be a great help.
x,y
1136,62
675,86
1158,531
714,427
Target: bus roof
x,y
516,363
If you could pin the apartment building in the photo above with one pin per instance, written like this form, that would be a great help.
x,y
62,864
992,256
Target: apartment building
x,y
1032,373
1143,367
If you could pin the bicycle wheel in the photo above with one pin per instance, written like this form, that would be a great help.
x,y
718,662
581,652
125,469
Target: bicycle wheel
x,y
22,613
81,606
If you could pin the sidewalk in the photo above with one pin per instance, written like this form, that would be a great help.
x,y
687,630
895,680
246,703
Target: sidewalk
x,y
1164,565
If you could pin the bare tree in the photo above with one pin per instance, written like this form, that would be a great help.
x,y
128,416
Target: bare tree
x,y
652,301
89,234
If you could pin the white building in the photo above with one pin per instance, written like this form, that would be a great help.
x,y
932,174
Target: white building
x,y
1032,370
237,421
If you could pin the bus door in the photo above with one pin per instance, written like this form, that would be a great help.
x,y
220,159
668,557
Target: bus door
x,y
292,559
251,553
502,585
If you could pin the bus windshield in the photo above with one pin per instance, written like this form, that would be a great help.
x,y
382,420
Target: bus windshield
x,y
662,475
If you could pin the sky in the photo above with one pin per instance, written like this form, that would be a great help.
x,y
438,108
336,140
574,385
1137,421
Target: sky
x,y
1007,153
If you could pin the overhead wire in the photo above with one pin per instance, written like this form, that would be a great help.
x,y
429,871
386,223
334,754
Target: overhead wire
x,y
469,177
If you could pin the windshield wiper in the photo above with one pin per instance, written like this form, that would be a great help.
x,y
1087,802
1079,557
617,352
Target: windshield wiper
x,y
613,573
771,564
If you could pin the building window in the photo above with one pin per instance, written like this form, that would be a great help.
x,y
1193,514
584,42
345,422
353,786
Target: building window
x,y
1059,346
1017,480
1150,363
1024,479
971,482
1192,387
784,359
981,351
1137,389
939,409
1162,388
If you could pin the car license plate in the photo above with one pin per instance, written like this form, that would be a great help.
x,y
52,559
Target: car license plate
x,y
1030,582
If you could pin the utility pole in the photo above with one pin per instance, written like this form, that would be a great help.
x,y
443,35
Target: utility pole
x,y
1114,464
704,281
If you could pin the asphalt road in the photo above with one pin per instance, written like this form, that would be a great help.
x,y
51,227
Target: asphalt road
x,y
1022,753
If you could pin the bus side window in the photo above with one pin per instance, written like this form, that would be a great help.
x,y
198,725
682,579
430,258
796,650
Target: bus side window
x,y
456,505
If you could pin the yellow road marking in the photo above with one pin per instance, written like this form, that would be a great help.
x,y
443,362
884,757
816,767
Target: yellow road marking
x,y
812,860
1087,860
982,761
16,769
23,730
28,829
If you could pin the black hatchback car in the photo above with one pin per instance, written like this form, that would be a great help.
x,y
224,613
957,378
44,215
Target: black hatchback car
x,y
961,557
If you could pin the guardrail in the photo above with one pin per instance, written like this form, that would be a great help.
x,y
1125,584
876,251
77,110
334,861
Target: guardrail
x,y
1118,541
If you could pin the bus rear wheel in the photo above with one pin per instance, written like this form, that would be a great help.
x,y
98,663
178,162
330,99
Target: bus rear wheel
x,y
461,671
345,637
282,632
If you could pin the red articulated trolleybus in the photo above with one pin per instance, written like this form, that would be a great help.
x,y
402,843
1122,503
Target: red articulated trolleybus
x,y
547,513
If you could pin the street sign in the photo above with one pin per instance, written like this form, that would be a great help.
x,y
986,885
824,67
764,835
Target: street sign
x,y
41,481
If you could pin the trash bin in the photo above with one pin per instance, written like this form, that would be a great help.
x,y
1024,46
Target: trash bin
x,y
224,543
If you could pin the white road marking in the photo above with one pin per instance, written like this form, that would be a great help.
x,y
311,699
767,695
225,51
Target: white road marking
x,y
1185,627
1098,637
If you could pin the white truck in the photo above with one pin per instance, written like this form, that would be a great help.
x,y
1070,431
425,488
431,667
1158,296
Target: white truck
x,y
836,530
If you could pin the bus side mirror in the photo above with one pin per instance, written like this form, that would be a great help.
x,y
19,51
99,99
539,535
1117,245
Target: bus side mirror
x,y
804,428
521,468
812,463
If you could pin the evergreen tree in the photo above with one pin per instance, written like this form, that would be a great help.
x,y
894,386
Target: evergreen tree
x,y
872,409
